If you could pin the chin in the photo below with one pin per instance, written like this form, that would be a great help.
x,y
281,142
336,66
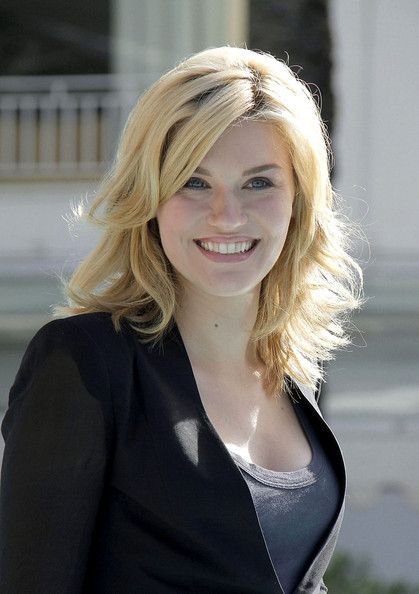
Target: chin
x,y
233,290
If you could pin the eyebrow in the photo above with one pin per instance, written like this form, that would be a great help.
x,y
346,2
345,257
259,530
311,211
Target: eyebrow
x,y
257,169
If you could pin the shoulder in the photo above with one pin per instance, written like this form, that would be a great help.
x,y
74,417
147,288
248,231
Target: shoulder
x,y
84,332
89,340
63,385
95,325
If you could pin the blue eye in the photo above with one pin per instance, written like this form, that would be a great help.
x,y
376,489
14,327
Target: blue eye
x,y
260,183
195,183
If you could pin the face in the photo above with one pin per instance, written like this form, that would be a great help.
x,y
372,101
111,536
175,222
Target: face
x,y
225,229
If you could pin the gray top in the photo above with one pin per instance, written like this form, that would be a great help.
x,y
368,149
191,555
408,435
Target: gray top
x,y
295,509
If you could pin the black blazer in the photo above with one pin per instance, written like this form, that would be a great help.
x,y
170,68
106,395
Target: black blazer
x,y
114,480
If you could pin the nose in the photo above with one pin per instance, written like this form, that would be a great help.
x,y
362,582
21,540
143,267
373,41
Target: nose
x,y
226,211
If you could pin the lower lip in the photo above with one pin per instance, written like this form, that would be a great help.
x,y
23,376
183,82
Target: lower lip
x,y
216,257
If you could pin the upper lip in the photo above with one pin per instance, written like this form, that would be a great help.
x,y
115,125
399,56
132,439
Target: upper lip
x,y
218,239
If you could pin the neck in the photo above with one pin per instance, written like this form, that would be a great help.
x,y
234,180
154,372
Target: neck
x,y
216,330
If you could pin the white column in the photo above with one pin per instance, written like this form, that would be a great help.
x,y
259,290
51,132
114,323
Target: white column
x,y
376,84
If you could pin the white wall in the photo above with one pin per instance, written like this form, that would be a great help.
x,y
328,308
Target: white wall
x,y
33,226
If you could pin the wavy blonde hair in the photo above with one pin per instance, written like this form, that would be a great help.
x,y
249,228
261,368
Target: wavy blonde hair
x,y
307,296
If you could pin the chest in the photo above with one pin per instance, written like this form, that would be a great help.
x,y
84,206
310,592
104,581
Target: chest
x,y
263,430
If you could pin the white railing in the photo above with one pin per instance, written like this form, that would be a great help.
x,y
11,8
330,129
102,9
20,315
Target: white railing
x,y
55,126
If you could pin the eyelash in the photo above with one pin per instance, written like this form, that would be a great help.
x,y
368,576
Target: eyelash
x,y
267,182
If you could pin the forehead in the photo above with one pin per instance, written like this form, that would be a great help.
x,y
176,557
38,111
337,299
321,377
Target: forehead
x,y
247,142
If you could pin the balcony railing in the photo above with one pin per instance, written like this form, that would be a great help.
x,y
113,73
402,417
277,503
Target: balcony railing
x,y
63,126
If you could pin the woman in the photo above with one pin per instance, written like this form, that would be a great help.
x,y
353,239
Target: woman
x,y
164,436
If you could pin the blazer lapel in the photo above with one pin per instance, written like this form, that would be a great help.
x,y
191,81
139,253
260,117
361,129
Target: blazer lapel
x,y
321,561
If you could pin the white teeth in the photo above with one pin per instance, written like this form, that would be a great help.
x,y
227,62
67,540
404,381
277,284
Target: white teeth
x,y
226,248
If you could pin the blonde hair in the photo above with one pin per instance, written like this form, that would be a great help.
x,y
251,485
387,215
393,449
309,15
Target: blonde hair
x,y
306,297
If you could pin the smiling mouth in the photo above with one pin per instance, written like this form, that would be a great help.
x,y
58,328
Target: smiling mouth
x,y
241,247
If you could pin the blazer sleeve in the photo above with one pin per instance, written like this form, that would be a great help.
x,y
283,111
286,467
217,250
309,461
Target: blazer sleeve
x,y
58,434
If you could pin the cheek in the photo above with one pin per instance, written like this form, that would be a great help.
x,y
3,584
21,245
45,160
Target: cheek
x,y
275,213
168,218
175,221
176,214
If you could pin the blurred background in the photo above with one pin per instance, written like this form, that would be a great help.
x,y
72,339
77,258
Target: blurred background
x,y
69,74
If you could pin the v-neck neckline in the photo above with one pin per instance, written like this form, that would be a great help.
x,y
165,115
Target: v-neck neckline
x,y
176,335
297,389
